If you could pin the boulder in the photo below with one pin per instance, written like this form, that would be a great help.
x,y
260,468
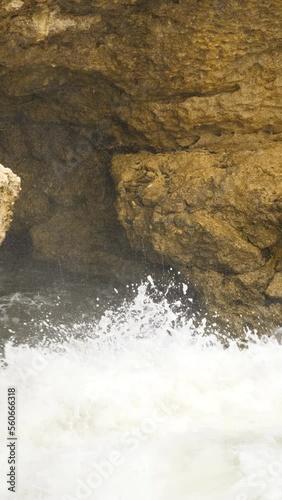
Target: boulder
x,y
214,215
9,191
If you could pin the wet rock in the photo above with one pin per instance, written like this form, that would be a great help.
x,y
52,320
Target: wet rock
x,y
9,191
217,219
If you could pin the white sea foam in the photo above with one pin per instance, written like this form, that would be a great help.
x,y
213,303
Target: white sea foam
x,y
145,406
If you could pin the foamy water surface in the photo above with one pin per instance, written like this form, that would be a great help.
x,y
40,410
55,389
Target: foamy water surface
x,y
140,404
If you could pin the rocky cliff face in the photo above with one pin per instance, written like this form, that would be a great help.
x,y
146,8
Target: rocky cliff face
x,y
215,216
9,191
193,80
144,73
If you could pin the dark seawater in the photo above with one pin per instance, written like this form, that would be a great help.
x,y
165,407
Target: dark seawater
x,y
122,396
37,297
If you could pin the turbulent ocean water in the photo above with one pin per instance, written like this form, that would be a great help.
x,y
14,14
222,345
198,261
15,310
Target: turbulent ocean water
x,y
121,396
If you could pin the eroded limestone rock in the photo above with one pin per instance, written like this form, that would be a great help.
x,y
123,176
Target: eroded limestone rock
x,y
216,216
9,191
145,73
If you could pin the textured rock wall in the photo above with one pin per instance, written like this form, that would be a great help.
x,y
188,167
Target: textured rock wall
x,y
9,191
144,73
217,217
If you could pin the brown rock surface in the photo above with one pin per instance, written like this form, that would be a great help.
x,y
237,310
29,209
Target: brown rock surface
x,y
144,73
67,202
9,191
274,289
216,216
